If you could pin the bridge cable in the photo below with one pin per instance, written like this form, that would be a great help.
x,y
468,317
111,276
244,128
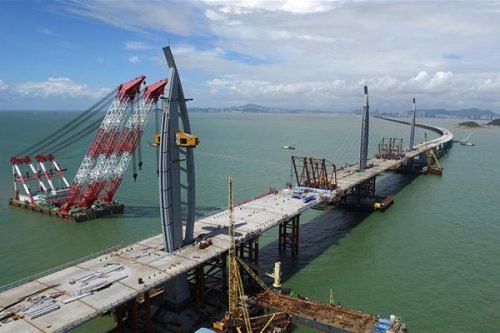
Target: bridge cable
x,y
61,146
69,126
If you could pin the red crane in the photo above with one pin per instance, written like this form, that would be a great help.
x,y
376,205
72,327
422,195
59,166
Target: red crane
x,y
88,181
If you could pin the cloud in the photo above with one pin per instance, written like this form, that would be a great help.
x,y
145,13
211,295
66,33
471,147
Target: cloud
x,y
134,59
386,91
48,32
3,85
58,87
243,7
176,17
138,46
318,53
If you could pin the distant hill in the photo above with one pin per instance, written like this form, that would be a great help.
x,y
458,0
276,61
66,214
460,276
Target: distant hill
x,y
474,114
495,122
254,108
462,113
468,124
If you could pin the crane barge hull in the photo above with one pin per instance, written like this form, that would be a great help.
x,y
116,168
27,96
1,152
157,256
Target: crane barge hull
x,y
87,214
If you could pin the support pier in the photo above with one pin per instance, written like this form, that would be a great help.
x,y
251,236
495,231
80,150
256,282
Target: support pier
x,y
289,235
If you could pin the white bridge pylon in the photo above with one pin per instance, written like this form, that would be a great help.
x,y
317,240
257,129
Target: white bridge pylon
x,y
176,165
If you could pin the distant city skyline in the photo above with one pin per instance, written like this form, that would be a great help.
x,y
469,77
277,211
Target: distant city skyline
x,y
296,54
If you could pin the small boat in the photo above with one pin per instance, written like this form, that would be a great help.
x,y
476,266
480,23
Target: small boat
x,y
290,147
466,142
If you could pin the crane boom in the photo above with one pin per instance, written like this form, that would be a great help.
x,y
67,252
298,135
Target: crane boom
x,y
129,139
87,182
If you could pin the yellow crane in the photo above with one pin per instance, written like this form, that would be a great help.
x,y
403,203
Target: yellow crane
x,y
237,309
431,159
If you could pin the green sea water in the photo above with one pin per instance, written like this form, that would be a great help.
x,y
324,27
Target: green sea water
x,y
432,258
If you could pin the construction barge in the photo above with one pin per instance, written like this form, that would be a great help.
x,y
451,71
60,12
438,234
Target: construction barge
x,y
39,183
97,210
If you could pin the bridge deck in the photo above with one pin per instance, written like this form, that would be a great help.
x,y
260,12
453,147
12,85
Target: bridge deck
x,y
145,259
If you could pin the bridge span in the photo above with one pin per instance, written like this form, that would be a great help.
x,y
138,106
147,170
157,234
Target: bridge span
x,y
119,279
94,286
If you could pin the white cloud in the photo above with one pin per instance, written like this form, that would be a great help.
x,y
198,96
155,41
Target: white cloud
x,y
134,59
138,46
48,32
307,7
3,85
242,7
58,87
491,84
176,17
385,91
314,52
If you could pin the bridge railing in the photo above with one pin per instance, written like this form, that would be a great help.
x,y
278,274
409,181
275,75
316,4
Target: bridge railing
x,y
59,268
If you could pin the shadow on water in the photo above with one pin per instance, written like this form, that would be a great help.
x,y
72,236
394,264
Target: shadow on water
x,y
316,236
326,230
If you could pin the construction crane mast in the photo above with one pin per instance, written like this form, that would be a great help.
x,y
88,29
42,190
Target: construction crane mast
x,y
233,264
238,316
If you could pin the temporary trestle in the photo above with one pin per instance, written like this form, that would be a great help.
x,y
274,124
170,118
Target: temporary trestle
x,y
249,252
209,277
289,235
390,149
135,315
315,172
363,190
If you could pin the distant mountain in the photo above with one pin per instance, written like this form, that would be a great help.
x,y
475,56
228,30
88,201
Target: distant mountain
x,y
495,122
462,113
476,114
255,108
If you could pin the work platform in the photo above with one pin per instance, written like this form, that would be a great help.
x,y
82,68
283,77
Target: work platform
x,y
144,265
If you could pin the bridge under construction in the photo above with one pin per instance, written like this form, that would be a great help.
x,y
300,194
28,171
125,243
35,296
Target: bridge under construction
x,y
123,280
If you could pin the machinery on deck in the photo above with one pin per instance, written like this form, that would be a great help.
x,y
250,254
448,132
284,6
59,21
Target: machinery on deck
x,y
40,185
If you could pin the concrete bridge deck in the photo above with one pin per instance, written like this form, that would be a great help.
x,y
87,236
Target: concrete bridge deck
x,y
144,265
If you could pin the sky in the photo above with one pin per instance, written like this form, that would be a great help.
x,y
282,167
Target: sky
x,y
317,55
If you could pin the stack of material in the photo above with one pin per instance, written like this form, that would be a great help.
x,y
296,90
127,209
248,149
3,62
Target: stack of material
x,y
39,306
97,280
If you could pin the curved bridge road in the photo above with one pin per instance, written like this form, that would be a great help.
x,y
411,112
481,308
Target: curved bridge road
x,y
125,273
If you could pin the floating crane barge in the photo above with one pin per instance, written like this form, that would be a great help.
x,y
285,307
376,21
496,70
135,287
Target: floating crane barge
x,y
90,194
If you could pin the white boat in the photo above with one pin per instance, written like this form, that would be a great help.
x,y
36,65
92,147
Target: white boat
x,y
466,142
291,147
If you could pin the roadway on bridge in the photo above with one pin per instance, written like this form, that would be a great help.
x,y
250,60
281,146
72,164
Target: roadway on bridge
x,y
136,268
